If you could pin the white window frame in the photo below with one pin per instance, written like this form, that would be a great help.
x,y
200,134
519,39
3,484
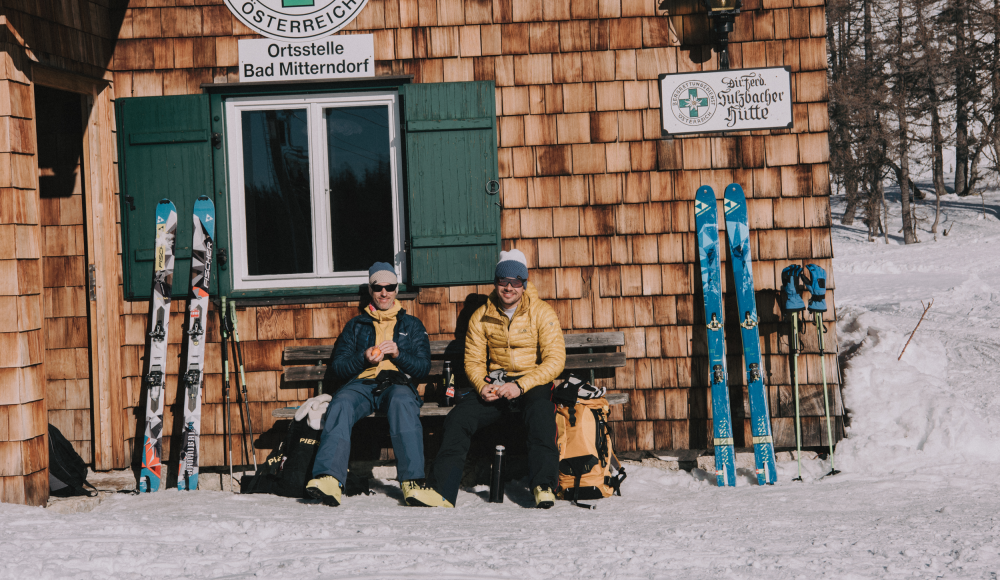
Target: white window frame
x,y
322,274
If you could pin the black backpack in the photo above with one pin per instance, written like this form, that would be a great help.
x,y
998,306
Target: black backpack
x,y
67,470
288,468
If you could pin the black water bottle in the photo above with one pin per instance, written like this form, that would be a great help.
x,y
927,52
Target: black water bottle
x,y
496,481
449,385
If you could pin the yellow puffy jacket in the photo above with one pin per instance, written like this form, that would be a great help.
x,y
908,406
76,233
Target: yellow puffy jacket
x,y
530,345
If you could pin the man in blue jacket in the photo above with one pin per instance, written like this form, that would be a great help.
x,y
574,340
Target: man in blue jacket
x,y
379,353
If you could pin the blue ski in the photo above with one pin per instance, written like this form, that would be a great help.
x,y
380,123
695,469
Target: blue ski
x,y
163,277
201,272
741,260
707,220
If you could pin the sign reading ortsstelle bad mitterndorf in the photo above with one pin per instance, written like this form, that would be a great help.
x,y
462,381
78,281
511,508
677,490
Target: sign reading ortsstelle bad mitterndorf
x,y
329,58
730,100
296,20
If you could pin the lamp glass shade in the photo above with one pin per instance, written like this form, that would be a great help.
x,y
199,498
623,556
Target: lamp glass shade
x,y
722,5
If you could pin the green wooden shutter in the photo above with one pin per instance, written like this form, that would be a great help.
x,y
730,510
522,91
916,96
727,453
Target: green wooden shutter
x,y
164,151
451,158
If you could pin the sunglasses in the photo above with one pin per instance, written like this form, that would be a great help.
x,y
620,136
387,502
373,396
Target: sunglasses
x,y
514,282
378,287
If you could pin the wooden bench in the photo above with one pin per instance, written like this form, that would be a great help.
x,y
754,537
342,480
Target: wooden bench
x,y
313,359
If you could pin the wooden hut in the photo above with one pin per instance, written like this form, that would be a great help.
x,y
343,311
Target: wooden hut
x,y
599,201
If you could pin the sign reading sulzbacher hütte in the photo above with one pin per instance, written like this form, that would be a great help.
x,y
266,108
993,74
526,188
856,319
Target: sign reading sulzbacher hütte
x,y
730,100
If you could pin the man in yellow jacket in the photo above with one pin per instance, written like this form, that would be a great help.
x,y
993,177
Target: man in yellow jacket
x,y
517,333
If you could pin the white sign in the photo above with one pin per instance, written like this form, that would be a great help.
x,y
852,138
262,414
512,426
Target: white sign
x,y
330,58
729,100
296,19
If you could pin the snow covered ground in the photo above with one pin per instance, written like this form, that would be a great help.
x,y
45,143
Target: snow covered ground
x,y
918,497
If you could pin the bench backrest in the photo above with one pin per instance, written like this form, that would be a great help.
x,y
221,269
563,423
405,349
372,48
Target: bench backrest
x,y
454,350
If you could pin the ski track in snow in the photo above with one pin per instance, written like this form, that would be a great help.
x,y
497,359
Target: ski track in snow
x,y
918,497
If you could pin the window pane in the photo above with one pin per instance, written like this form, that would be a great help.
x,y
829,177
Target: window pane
x,y
360,187
276,184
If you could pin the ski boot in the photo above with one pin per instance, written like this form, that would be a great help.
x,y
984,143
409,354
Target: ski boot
x,y
326,489
544,498
416,493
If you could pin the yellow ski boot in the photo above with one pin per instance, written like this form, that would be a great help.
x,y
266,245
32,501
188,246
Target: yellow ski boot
x,y
416,493
325,488
544,498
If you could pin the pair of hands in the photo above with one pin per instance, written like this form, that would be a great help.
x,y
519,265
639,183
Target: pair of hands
x,y
388,348
494,392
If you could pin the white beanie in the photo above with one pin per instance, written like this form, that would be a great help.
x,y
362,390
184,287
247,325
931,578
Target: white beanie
x,y
512,264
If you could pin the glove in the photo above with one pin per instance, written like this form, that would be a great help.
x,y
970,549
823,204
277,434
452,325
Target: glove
x,y
789,278
816,284
314,409
497,376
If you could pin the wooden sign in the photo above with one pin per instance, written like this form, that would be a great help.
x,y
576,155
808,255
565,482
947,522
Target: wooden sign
x,y
730,100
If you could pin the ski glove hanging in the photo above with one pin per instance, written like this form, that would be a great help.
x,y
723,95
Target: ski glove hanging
x,y
815,282
314,409
789,279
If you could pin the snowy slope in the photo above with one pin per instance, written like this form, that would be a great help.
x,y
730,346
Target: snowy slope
x,y
918,496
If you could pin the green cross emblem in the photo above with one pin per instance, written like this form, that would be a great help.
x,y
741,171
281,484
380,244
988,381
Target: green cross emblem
x,y
294,3
693,103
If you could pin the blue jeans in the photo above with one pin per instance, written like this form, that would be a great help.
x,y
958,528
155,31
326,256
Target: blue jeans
x,y
355,401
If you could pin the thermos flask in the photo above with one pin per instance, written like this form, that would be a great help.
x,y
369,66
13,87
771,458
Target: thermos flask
x,y
496,481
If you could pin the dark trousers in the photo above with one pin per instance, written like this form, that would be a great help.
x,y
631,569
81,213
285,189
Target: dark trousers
x,y
472,414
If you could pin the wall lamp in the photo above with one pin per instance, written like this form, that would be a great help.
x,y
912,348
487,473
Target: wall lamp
x,y
722,14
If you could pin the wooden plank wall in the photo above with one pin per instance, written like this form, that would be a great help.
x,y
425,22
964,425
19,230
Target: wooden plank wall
x,y
64,265
66,45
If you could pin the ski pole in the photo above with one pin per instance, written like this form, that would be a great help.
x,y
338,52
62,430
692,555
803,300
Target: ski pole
x,y
816,282
793,304
239,408
243,382
795,374
227,443
820,329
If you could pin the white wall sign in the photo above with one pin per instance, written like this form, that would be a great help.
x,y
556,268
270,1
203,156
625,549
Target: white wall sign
x,y
296,19
330,58
729,100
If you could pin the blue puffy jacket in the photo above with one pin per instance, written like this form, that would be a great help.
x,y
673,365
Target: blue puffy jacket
x,y
409,334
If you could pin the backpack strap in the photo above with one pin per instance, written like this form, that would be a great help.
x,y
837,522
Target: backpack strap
x,y
615,481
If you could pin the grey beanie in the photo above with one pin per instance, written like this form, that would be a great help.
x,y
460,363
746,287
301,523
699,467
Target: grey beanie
x,y
382,273
512,264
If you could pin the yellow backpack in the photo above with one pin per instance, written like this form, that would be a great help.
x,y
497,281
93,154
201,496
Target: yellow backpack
x,y
588,467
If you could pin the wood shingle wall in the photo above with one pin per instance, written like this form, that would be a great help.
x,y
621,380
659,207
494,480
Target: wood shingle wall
x,y
600,204
23,442
598,201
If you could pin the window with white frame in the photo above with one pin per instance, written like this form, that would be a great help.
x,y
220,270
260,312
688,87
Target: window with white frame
x,y
315,188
